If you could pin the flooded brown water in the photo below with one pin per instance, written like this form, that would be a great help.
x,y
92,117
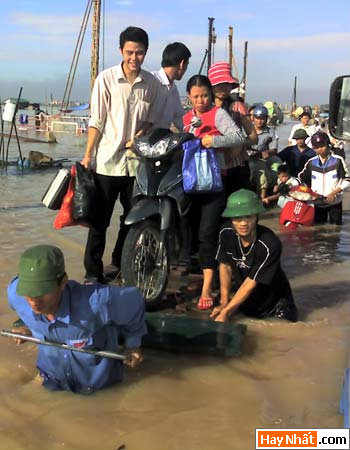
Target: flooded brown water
x,y
290,375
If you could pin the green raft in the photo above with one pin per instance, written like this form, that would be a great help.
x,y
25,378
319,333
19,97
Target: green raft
x,y
183,334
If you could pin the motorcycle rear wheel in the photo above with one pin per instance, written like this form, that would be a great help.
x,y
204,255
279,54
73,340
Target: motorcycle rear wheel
x,y
145,261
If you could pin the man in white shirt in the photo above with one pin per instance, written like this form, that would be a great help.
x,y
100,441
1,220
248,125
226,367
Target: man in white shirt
x,y
304,124
175,60
123,105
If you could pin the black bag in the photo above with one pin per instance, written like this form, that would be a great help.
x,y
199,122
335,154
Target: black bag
x,y
57,189
86,197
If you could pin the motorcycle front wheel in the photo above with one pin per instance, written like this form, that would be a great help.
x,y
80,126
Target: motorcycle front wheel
x,y
145,260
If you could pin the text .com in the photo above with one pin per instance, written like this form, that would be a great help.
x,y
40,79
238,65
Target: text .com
x,y
325,438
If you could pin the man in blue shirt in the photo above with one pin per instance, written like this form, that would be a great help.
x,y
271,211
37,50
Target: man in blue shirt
x,y
92,317
296,156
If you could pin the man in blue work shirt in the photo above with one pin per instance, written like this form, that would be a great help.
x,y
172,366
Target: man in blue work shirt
x,y
92,317
296,156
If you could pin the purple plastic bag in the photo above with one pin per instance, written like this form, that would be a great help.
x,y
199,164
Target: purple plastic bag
x,y
201,170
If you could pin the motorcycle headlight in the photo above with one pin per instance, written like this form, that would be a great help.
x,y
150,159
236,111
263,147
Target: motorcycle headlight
x,y
143,147
159,148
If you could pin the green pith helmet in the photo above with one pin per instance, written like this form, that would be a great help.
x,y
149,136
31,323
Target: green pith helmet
x,y
39,271
243,203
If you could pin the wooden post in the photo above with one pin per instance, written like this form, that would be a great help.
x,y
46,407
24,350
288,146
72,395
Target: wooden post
x,y
294,102
203,61
234,60
245,68
230,35
96,18
210,40
13,127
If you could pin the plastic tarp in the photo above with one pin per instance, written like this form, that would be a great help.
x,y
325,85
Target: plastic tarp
x,y
76,108
184,334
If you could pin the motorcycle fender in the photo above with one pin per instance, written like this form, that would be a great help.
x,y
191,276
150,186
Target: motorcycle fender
x,y
148,207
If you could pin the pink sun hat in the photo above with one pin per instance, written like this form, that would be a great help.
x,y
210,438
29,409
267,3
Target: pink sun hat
x,y
220,72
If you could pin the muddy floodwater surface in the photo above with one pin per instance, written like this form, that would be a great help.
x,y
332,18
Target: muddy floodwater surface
x,y
289,375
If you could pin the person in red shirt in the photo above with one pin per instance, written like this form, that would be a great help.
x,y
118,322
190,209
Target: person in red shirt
x,y
216,129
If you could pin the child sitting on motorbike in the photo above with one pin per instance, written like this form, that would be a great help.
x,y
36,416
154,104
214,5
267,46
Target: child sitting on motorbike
x,y
216,129
280,191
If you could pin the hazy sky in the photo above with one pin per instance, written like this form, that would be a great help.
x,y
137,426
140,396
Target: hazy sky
x,y
310,40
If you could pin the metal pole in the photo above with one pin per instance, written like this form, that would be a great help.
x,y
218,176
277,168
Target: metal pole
x,y
19,145
102,353
210,40
245,68
2,142
12,126
294,104
96,19
213,41
230,35
203,61
234,60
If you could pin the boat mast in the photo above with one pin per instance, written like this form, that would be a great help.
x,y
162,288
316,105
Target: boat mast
x,y
210,40
245,69
294,103
231,56
96,19
230,37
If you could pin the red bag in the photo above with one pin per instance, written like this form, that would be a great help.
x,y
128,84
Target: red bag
x,y
64,217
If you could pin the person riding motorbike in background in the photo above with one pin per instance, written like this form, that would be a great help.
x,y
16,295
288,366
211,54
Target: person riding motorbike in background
x,y
305,118
263,155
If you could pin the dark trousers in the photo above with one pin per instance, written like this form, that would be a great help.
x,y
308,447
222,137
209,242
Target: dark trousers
x,y
334,212
206,211
236,178
111,188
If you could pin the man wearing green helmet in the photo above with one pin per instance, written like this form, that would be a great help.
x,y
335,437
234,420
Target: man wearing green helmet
x,y
250,255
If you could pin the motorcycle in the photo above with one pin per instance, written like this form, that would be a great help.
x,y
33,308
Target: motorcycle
x,y
154,239
300,209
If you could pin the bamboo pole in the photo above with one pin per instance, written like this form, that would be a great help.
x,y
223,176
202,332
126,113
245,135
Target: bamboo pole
x,y
294,102
13,126
233,58
230,36
96,19
210,40
245,60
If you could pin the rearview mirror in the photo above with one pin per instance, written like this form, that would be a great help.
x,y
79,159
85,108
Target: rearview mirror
x,y
339,108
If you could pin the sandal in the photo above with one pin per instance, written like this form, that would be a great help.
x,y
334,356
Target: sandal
x,y
205,303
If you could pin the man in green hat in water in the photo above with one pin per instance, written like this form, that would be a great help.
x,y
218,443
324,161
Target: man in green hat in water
x,y
250,255
54,308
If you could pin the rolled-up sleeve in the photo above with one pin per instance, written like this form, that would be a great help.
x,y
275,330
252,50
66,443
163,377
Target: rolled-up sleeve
x,y
100,99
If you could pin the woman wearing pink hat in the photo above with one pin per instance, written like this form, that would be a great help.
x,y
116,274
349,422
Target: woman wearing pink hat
x,y
236,173
216,129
